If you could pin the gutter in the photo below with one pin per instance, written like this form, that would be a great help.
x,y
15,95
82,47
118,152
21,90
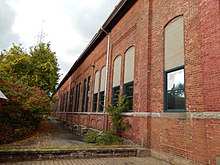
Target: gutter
x,y
106,76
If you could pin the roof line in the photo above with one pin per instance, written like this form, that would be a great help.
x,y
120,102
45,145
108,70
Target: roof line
x,y
112,20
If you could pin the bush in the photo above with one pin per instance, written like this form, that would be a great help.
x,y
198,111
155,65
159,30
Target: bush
x,y
20,116
115,111
90,137
105,138
108,138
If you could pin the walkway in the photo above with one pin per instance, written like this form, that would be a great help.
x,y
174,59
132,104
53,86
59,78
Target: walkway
x,y
53,133
96,161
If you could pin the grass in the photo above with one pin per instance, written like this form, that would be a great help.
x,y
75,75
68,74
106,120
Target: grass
x,y
65,147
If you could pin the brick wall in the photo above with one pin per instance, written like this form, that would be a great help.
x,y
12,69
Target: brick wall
x,y
193,134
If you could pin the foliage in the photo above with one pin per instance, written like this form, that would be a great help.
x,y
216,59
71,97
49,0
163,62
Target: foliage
x,y
22,112
115,112
37,68
90,137
108,138
15,64
45,73
104,138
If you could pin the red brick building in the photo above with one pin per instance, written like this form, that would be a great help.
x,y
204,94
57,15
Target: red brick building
x,y
165,57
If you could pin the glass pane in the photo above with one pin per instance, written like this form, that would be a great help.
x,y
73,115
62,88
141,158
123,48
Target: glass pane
x,y
175,80
95,99
101,103
115,94
175,90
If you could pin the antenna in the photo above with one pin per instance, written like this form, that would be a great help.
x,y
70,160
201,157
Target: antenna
x,y
42,34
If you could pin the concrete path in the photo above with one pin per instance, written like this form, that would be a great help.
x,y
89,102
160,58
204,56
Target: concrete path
x,y
96,161
51,133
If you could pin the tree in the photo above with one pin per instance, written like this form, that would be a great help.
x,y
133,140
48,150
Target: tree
x,y
38,68
45,67
15,64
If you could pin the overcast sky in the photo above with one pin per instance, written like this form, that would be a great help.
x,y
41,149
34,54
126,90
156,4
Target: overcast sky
x,y
69,25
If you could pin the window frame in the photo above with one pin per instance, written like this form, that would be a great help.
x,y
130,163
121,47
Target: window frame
x,y
166,93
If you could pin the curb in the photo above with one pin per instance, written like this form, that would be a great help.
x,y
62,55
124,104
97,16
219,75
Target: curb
x,y
21,155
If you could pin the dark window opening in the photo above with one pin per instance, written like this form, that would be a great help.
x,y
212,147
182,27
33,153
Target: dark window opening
x,y
101,101
95,101
115,94
87,94
128,92
83,96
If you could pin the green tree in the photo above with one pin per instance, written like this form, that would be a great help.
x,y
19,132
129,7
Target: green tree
x,y
44,68
37,68
15,64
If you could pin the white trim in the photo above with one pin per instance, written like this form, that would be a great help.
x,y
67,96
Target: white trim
x,y
180,115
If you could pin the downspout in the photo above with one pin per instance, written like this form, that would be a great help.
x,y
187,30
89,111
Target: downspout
x,y
106,76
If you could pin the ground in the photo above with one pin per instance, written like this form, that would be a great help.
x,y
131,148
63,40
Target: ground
x,y
52,132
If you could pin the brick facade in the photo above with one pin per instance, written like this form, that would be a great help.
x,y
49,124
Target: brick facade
x,y
193,134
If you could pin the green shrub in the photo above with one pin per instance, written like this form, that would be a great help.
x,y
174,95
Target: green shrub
x,y
115,111
108,138
90,137
105,138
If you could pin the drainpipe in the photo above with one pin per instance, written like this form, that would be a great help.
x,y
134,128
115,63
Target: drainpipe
x,y
106,76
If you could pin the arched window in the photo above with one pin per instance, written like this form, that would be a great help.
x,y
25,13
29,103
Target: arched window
x,y
95,92
129,77
102,89
116,79
174,65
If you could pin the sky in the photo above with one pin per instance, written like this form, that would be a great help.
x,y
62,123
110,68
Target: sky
x,y
68,25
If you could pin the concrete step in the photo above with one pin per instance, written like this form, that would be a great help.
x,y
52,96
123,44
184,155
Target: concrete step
x,y
47,154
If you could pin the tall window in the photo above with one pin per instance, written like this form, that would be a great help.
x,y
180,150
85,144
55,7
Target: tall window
x,y
174,65
71,100
67,102
87,94
129,77
84,95
78,97
102,89
116,80
95,93
75,100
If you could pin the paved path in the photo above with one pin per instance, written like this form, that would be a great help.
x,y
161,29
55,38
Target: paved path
x,y
51,133
54,133
97,161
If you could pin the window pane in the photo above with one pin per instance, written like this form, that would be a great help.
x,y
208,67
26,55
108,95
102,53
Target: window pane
x,y
101,101
175,90
175,80
128,92
95,99
115,94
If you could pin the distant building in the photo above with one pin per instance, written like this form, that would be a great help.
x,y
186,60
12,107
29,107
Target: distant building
x,y
165,57
3,98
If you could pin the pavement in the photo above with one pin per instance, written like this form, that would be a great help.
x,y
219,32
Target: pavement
x,y
96,161
53,133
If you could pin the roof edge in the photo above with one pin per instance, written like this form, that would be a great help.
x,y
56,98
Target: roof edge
x,y
119,11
